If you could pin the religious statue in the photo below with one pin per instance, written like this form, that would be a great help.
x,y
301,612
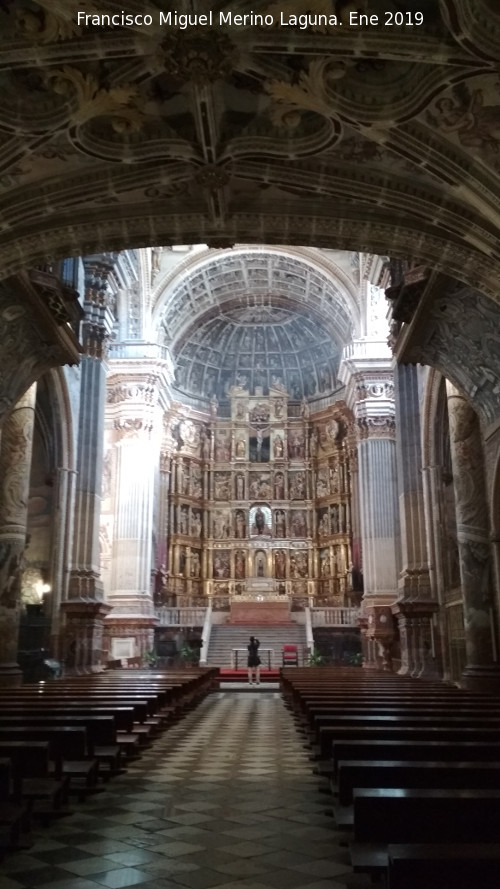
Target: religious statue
x,y
280,565
313,443
239,565
280,523
240,529
278,447
278,409
240,447
184,521
260,521
196,524
195,564
260,437
214,404
279,486
297,486
206,440
240,486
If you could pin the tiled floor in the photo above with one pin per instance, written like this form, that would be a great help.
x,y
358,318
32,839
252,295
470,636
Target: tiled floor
x,y
226,798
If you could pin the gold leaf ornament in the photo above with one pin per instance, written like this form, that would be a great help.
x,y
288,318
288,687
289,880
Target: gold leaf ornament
x,y
121,103
310,92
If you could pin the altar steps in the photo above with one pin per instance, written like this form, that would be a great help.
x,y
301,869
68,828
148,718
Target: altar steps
x,y
226,637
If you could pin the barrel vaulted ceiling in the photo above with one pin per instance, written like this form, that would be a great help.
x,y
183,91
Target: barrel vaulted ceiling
x,y
380,139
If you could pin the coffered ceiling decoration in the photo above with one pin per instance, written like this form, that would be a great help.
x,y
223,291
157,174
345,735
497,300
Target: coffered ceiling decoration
x,y
258,317
382,139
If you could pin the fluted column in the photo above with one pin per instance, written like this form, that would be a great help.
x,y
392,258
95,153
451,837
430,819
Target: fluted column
x,y
15,466
467,460
84,609
85,579
414,608
136,392
63,530
366,370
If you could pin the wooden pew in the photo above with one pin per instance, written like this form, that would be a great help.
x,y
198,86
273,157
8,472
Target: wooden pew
x,y
409,733
401,815
414,774
443,866
449,751
68,752
31,782
101,731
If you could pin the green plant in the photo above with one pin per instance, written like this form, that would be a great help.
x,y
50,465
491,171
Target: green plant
x,y
316,659
189,654
355,660
150,658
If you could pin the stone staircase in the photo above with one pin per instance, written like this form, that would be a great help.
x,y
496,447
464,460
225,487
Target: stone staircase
x,y
225,637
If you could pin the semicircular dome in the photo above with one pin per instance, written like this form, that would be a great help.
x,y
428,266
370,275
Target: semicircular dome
x,y
256,348
257,318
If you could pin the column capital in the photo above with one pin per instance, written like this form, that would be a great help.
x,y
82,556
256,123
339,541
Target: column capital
x,y
381,426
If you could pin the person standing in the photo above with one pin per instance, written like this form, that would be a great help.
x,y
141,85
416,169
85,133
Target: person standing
x,y
253,662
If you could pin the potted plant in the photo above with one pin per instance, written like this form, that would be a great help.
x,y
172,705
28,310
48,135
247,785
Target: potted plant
x,y
150,658
316,659
189,655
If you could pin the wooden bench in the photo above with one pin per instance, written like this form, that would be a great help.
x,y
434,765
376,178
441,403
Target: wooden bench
x,y
101,732
30,780
414,774
449,751
404,733
68,752
443,866
401,815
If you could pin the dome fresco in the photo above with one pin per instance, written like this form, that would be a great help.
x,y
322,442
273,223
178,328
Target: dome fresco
x,y
255,318
256,348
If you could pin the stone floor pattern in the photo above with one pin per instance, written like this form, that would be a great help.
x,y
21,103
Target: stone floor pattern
x,y
226,798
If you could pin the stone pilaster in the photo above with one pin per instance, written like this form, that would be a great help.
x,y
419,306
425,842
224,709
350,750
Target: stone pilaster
x,y
15,466
136,402
415,607
63,530
85,586
366,370
482,671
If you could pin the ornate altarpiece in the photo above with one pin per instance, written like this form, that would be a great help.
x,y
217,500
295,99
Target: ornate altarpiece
x,y
260,500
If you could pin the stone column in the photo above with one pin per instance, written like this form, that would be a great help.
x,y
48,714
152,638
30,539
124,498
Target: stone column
x,y
63,529
130,598
482,671
84,607
414,607
379,531
163,506
136,407
366,371
15,467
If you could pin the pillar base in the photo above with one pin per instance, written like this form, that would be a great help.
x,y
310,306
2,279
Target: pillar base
x,y
82,634
129,635
484,679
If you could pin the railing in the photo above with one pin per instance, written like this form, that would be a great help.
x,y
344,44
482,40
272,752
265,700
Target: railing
x,y
244,653
372,349
140,350
180,617
335,617
205,635
309,632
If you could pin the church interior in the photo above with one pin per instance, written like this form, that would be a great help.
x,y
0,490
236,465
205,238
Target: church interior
x,y
249,383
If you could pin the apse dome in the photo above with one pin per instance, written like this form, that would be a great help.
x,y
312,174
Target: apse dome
x,y
257,318
256,348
